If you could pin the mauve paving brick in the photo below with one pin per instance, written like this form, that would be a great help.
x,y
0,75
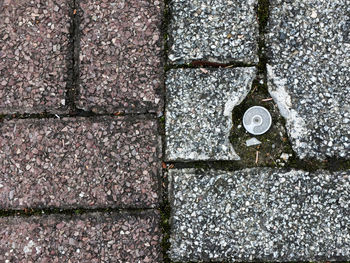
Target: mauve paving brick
x,y
79,162
94,237
120,56
34,55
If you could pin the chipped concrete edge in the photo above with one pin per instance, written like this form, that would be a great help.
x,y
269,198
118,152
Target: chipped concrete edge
x,y
295,125
234,101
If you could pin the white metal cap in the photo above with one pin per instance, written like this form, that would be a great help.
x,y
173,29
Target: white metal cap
x,y
257,120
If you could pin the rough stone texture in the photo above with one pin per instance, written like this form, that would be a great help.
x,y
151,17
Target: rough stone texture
x,y
95,237
199,112
309,74
34,55
259,214
79,162
120,56
217,31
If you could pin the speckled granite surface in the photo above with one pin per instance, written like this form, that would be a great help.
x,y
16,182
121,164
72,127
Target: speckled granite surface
x,y
259,214
199,112
309,74
217,31
120,56
91,237
35,55
79,162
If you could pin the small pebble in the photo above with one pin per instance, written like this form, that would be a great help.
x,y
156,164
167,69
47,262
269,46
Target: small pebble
x,y
252,141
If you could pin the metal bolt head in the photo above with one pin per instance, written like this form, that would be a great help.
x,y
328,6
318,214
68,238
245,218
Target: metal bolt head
x,y
257,120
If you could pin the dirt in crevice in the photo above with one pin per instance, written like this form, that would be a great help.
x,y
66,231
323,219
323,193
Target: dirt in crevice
x,y
275,149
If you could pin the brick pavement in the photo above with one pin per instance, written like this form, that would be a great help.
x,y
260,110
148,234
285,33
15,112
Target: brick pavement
x,y
35,55
120,56
79,162
61,62
91,237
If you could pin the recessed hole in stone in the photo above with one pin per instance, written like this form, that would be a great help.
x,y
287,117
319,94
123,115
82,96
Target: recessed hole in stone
x,y
273,144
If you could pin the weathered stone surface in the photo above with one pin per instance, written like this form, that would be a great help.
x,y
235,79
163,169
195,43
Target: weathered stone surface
x,y
95,237
259,214
199,112
120,56
309,74
217,31
79,162
34,55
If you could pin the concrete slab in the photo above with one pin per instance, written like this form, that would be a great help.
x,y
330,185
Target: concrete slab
x,y
216,31
199,112
308,47
259,214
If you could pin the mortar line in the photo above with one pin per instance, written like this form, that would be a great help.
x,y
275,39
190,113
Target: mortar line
x,y
164,202
27,212
83,114
208,65
308,166
72,91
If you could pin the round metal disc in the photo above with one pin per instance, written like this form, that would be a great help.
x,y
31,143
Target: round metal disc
x,y
257,120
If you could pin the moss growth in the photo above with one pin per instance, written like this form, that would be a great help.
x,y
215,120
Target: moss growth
x,y
26,212
165,227
164,28
216,165
161,126
263,15
165,211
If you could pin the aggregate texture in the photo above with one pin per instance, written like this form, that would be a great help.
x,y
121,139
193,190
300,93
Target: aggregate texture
x,y
120,56
259,214
308,45
34,55
79,162
216,31
199,112
92,237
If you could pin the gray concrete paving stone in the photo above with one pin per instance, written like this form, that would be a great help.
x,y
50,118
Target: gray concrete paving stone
x,y
217,31
120,56
259,214
34,55
199,112
79,162
92,237
308,47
